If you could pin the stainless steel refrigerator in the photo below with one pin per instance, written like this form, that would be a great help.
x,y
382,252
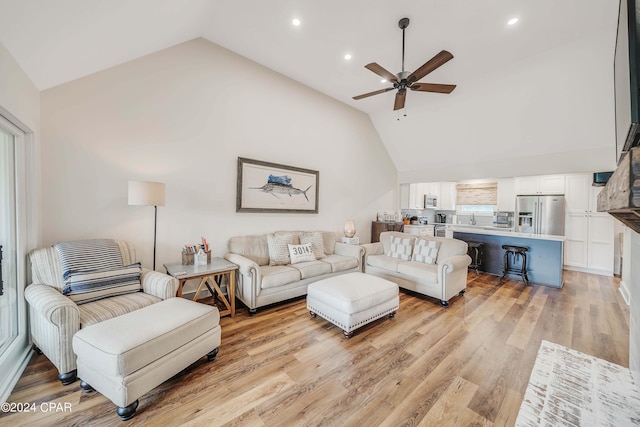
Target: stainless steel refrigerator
x,y
540,214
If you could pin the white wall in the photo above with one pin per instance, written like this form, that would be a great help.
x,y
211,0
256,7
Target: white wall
x,y
20,104
183,116
551,113
632,282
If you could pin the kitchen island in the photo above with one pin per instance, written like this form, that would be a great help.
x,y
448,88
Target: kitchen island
x,y
544,258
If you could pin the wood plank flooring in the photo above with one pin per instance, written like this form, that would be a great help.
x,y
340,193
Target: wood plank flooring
x,y
467,365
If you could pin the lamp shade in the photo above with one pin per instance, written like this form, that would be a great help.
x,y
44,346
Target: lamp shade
x,y
349,229
146,193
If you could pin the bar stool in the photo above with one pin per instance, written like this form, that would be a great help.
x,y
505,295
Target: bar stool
x,y
476,252
515,251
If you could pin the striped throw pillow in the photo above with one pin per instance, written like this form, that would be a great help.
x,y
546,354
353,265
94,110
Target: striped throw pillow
x,y
426,251
401,248
87,286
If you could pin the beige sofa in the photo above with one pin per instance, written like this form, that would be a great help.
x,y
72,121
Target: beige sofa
x,y
260,283
443,280
55,318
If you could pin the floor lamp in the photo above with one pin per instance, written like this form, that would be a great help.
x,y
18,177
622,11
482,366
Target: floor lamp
x,y
146,193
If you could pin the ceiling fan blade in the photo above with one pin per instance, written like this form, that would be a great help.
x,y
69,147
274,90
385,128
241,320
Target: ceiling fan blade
x,y
433,87
400,97
376,92
381,72
435,62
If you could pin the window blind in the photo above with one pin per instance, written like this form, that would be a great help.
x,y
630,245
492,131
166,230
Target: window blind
x,y
485,193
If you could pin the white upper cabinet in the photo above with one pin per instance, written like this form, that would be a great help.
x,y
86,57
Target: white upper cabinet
x,y
506,195
576,196
543,184
447,199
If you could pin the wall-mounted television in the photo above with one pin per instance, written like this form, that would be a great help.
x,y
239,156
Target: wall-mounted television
x,y
627,81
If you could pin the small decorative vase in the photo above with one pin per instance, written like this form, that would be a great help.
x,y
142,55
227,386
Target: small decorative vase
x,y
349,229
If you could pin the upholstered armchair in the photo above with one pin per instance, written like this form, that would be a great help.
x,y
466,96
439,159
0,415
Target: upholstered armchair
x,y
54,318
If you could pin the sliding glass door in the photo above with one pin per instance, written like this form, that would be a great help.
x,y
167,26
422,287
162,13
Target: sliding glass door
x,y
8,280
13,244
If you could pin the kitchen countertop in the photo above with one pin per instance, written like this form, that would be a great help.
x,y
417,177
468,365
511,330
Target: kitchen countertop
x,y
498,231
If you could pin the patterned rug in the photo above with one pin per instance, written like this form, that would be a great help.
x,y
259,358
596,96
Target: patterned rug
x,y
569,388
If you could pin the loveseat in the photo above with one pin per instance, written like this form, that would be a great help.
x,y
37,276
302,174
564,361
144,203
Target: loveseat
x,y
54,318
267,273
433,266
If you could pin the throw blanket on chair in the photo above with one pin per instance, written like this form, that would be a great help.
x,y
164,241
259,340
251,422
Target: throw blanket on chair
x,y
92,270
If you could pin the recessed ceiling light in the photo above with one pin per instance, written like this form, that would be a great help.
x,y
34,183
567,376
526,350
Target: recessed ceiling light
x,y
296,22
347,56
512,21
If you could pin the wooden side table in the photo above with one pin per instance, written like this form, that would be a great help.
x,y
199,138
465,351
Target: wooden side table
x,y
217,268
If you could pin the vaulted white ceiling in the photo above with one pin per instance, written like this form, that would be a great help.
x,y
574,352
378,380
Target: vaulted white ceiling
x,y
58,41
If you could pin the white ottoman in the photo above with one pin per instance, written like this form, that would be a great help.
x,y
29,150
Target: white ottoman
x,y
127,356
352,300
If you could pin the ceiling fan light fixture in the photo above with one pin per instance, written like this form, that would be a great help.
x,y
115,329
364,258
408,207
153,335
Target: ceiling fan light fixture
x,y
409,80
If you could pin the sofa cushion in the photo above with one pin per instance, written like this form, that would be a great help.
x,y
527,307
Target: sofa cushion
x,y
340,262
107,308
425,251
329,239
419,270
312,268
301,253
401,247
279,249
255,248
316,240
87,286
274,276
383,261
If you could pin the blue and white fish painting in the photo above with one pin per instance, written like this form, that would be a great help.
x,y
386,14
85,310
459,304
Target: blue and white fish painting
x,y
282,185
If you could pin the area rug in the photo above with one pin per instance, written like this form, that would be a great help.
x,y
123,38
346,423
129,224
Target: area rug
x,y
569,388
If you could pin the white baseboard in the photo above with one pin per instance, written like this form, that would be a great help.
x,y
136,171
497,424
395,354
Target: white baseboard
x,y
624,291
608,273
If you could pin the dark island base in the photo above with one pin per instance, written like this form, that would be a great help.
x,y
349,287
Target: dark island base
x,y
544,258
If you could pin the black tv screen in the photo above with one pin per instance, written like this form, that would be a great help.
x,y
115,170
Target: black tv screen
x,y
626,67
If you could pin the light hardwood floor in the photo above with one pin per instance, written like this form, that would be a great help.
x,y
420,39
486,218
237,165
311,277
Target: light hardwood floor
x,y
467,365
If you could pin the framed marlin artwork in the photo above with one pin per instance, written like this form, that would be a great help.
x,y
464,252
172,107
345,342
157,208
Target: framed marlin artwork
x,y
270,187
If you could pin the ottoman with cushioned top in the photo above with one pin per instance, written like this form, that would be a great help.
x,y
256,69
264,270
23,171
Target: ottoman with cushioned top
x,y
352,300
127,356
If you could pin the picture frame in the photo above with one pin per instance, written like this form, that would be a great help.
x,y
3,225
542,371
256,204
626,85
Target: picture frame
x,y
274,188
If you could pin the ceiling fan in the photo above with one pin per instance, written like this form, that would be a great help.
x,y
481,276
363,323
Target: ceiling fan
x,y
405,80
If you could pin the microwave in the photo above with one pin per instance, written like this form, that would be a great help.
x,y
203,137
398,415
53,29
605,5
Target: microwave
x,y
430,201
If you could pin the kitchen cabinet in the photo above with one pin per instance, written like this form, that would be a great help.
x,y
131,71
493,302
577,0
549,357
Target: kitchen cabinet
x,y
506,195
543,184
416,196
420,230
378,227
417,192
589,243
447,199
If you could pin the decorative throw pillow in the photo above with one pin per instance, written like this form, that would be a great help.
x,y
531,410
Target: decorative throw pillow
x,y
87,286
426,251
301,253
278,248
401,248
317,243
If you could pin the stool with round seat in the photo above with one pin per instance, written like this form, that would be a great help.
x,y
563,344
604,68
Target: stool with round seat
x,y
476,252
515,251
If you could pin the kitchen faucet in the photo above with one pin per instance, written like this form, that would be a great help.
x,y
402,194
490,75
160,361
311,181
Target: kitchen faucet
x,y
472,220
